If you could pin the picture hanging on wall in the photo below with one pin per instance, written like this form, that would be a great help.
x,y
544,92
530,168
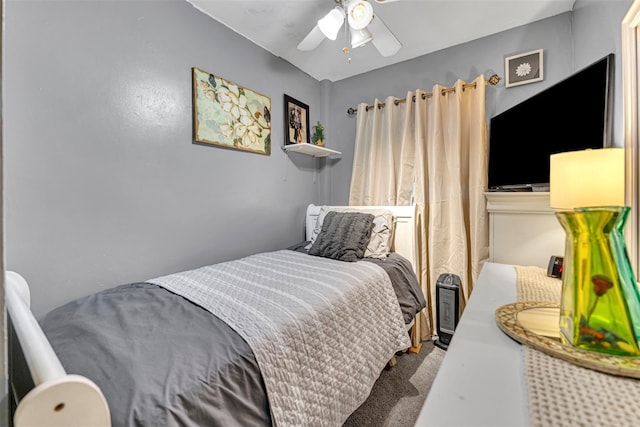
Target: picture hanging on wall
x,y
524,68
296,121
228,115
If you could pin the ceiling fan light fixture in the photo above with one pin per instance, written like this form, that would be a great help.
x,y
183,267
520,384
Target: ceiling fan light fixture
x,y
359,13
360,37
331,23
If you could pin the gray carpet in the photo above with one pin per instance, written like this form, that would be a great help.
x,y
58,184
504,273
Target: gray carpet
x,y
398,395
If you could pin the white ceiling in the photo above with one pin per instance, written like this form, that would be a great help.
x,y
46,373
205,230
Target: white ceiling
x,y
422,26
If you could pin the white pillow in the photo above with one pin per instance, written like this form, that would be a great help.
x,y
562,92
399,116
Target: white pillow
x,y
379,244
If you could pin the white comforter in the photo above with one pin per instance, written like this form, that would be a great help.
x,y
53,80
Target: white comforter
x,y
321,330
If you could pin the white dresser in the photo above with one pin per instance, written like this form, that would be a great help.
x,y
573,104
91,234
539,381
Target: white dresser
x,y
481,381
523,229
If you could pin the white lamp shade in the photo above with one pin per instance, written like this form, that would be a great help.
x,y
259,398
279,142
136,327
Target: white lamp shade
x,y
331,23
359,14
360,37
587,178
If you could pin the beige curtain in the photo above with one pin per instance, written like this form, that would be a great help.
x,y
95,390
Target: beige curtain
x,y
432,148
383,163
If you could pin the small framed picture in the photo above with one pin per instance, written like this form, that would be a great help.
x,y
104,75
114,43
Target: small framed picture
x,y
296,121
524,68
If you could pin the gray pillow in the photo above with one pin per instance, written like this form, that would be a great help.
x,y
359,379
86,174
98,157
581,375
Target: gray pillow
x,y
379,245
344,236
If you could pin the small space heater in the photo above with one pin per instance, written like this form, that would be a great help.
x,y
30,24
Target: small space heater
x,y
447,303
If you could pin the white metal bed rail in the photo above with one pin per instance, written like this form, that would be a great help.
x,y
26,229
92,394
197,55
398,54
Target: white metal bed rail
x,y
57,398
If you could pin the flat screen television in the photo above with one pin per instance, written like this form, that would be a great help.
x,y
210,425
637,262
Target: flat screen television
x,y
574,114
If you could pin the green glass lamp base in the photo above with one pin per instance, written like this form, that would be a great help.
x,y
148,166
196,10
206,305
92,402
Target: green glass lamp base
x,y
600,306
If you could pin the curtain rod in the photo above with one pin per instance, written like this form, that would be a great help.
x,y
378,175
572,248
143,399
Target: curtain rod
x,y
493,80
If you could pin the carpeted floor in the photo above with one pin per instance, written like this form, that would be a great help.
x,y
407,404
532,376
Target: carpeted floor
x,y
398,395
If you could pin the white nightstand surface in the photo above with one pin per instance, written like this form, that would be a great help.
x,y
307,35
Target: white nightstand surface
x,y
481,381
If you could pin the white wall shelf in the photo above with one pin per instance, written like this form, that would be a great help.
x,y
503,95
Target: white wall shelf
x,y
311,150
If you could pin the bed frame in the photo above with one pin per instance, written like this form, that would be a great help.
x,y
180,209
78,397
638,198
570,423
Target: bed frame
x,y
56,398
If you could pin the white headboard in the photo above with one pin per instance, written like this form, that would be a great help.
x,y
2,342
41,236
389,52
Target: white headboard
x,y
404,234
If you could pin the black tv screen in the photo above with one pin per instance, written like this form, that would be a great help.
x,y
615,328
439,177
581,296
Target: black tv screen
x,y
574,114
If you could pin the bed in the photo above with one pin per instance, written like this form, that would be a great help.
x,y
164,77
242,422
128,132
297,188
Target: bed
x,y
292,337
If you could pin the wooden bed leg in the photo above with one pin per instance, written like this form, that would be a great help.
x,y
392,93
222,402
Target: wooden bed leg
x,y
415,341
392,362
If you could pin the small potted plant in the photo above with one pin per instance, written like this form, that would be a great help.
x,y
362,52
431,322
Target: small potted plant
x,y
318,135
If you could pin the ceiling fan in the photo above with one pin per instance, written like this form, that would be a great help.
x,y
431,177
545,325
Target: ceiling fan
x,y
364,27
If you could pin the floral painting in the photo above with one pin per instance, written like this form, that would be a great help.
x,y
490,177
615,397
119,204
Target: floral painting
x,y
524,68
229,115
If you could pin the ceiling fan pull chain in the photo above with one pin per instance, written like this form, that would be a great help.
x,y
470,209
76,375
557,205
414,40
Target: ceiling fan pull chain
x,y
345,49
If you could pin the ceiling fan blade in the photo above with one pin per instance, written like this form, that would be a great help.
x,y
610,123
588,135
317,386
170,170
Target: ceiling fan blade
x,y
312,40
383,39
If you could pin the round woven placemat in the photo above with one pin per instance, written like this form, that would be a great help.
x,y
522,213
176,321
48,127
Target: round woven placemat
x,y
507,320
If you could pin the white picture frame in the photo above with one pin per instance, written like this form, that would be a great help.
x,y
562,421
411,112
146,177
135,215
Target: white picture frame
x,y
524,68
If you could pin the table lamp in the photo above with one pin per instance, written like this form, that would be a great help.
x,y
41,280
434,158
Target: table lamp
x,y
600,303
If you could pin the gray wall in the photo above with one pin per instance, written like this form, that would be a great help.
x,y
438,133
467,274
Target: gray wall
x,y
103,183
570,41
597,26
